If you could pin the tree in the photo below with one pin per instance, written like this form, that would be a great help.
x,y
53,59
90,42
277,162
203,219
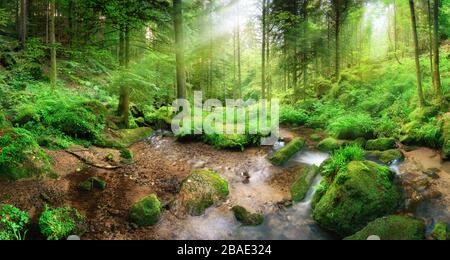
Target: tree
x,y
417,53
263,56
53,69
23,21
436,72
179,48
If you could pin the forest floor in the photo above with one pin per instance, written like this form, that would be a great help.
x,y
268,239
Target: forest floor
x,y
162,163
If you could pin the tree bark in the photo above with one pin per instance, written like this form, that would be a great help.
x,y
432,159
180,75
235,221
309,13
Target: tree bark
x,y
239,65
263,57
436,73
23,21
337,46
416,50
53,70
430,38
179,48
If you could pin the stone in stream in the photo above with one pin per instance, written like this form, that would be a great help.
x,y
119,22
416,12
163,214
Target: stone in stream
x,y
201,190
381,144
146,212
284,154
440,232
247,218
303,182
357,195
330,144
392,228
386,157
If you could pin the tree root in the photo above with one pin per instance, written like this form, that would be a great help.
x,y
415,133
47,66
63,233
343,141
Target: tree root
x,y
86,161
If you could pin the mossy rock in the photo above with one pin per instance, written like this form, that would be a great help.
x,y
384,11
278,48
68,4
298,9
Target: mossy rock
x,y
360,193
315,137
20,155
303,182
386,157
201,190
392,228
59,223
146,212
440,232
446,137
284,154
247,218
381,144
330,144
91,183
126,154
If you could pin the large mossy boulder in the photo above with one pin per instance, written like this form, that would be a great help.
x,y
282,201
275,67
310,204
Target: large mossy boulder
x,y
440,232
59,223
281,156
330,144
392,228
381,144
247,218
446,137
303,182
146,212
360,193
125,137
20,155
201,190
386,157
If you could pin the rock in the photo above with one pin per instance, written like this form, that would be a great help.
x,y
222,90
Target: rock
x,y
284,154
358,194
381,144
91,183
374,238
146,212
432,173
73,237
201,190
386,157
315,137
303,182
85,186
126,154
446,137
127,137
247,218
440,232
330,144
392,228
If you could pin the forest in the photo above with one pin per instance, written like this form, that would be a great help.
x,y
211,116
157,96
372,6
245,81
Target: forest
x,y
88,151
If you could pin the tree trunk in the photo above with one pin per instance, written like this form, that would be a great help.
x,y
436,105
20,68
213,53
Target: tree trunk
x,y
430,38
416,50
239,65
23,21
53,70
436,73
338,52
263,57
179,48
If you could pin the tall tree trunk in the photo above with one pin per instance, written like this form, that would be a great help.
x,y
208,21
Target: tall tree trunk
x,y
436,74
416,50
396,33
23,21
263,56
239,67
127,47
430,38
53,70
337,38
121,46
179,48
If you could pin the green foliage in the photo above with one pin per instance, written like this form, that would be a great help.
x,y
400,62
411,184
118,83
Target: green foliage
x,y
340,158
360,193
352,126
393,228
330,144
13,223
20,155
201,190
146,212
59,223
303,182
290,115
247,218
281,156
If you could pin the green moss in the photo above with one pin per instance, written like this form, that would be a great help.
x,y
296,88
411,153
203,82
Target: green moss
x,y
386,157
91,183
146,212
127,137
85,186
220,141
201,190
247,218
330,144
392,228
381,144
13,223
360,193
446,137
315,137
339,160
440,232
303,182
285,153
126,154
59,223
20,155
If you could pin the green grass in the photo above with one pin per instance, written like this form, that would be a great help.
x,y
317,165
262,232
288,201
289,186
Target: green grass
x,y
59,223
13,223
340,158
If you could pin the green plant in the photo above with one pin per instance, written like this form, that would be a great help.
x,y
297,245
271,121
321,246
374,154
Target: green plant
x,y
290,115
13,223
352,126
339,159
59,223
